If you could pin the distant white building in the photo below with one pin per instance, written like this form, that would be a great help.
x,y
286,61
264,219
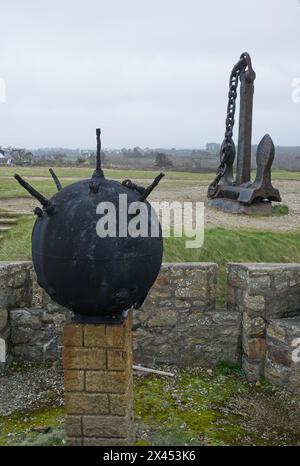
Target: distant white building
x,y
86,153
3,159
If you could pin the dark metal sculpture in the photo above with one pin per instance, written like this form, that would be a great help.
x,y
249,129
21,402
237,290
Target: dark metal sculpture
x,y
98,278
225,188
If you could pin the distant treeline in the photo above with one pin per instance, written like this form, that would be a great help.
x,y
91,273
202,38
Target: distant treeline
x,y
191,160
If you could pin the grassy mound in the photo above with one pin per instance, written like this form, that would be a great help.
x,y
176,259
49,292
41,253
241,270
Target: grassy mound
x,y
220,246
223,245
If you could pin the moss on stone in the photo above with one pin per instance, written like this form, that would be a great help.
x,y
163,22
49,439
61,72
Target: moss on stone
x,y
24,366
19,427
196,408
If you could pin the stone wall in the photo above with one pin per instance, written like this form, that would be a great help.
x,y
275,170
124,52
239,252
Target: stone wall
x,y
16,290
178,323
30,322
282,363
268,296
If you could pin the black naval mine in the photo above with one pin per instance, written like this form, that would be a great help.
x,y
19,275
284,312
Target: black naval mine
x,y
97,278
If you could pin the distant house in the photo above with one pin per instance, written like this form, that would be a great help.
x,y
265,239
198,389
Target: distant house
x,y
3,158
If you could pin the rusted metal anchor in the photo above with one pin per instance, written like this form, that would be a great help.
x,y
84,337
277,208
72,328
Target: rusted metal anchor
x,y
241,188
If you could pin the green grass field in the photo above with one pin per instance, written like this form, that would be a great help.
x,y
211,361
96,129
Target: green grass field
x,y
85,172
9,188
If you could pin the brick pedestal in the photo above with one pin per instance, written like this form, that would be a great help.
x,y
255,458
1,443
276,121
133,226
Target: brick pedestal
x,y
97,363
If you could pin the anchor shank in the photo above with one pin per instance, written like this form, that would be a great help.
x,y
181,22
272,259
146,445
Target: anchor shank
x,y
243,169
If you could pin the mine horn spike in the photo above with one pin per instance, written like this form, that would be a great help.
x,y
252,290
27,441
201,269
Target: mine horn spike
x,y
55,179
150,188
98,158
98,171
43,200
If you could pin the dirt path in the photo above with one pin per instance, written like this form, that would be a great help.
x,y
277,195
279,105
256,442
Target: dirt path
x,y
290,191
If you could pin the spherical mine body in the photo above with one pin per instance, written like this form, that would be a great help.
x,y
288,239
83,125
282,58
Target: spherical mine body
x,y
87,273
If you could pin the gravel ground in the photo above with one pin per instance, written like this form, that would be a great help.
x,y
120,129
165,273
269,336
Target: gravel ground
x,y
28,388
214,218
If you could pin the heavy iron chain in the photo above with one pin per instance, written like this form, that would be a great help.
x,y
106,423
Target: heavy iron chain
x,y
228,145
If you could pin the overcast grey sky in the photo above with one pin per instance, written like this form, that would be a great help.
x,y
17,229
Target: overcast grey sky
x,y
148,72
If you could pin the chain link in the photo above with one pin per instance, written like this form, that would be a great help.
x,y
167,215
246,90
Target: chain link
x,y
227,145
